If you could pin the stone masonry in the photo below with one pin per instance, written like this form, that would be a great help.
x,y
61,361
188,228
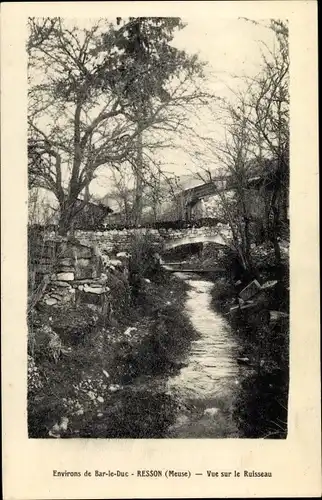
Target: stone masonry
x,y
78,273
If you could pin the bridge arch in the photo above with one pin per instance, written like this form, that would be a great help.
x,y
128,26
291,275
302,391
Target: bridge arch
x,y
189,240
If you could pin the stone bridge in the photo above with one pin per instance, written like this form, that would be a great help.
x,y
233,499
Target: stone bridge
x,y
121,240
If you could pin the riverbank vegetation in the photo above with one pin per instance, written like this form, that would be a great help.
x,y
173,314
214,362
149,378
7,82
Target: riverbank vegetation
x,y
262,331
82,366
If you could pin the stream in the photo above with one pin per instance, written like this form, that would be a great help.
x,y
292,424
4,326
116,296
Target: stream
x,y
205,388
204,391
208,383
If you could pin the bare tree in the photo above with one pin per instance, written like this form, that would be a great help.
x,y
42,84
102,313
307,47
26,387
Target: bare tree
x,y
232,154
40,30
255,143
269,100
83,86
123,193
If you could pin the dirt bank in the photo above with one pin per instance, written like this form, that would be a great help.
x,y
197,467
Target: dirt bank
x,y
261,407
91,384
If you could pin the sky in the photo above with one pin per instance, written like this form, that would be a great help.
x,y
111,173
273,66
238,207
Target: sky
x,y
232,48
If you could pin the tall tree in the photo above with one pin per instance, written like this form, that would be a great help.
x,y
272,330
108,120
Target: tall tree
x,y
256,142
93,93
153,62
269,101
233,154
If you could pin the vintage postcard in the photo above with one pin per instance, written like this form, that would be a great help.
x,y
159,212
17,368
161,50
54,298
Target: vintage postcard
x,y
160,289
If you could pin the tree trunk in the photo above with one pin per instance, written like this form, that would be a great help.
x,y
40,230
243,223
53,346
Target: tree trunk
x,y
63,225
139,183
65,220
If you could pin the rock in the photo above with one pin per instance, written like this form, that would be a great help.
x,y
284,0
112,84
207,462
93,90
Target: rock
x,y
87,272
124,255
66,261
269,284
243,361
250,290
82,251
114,388
211,411
129,330
277,316
84,281
100,399
68,276
56,296
97,290
54,432
83,262
50,301
65,269
64,424
91,395
62,284
116,262
106,374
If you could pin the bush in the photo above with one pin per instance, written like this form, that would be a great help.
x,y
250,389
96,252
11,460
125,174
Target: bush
x,y
144,261
119,295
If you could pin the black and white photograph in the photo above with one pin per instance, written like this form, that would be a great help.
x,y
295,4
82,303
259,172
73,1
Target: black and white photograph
x,y
158,227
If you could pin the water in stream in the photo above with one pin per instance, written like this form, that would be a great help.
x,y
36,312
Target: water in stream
x,y
207,385
204,390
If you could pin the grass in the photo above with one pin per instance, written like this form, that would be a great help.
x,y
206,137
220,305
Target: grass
x,y
75,386
261,406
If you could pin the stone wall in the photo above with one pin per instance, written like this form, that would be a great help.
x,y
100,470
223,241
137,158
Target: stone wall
x,y
114,241
78,269
120,240
74,272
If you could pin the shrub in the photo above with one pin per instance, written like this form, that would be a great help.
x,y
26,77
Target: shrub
x,y
119,294
144,261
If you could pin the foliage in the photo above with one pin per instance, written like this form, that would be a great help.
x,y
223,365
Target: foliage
x,y
120,294
86,88
34,377
155,189
45,343
88,384
144,261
